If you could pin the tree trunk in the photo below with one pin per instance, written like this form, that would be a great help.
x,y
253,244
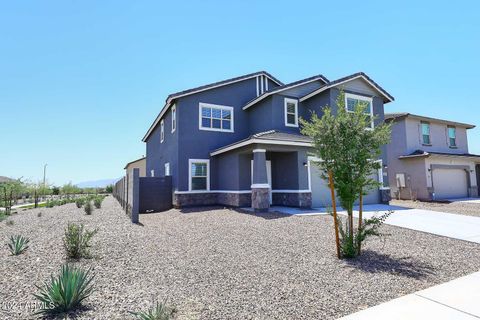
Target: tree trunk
x,y
334,208
360,218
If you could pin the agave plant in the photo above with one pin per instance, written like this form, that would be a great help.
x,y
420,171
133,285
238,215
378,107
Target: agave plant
x,y
158,312
18,244
66,291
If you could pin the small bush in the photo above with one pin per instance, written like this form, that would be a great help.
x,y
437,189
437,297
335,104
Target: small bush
x,y
158,312
39,214
50,204
80,202
18,244
98,202
88,207
65,292
10,223
77,241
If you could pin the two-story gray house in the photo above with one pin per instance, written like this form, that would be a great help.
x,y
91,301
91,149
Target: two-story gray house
x,y
428,158
237,142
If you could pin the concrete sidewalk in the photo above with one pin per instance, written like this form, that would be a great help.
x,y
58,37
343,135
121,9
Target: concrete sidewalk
x,y
457,299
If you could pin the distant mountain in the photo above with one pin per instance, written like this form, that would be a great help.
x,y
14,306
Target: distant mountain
x,y
96,183
5,179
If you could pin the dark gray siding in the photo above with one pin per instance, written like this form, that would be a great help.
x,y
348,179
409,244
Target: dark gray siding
x,y
167,152
196,143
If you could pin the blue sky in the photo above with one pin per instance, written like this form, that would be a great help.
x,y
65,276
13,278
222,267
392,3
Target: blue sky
x,y
81,81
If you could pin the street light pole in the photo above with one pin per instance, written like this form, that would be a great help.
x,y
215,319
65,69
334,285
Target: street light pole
x,y
44,181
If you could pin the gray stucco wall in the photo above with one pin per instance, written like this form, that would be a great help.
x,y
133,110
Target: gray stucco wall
x,y
438,137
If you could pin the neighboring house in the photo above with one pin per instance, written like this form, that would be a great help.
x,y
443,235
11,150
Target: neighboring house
x,y
237,142
428,158
141,164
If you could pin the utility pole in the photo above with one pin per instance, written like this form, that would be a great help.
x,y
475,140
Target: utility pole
x,y
44,181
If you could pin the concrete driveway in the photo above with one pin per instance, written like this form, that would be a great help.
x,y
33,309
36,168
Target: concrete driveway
x,y
440,223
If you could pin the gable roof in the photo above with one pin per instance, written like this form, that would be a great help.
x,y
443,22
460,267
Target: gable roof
x,y
268,137
359,75
283,88
132,162
395,116
210,86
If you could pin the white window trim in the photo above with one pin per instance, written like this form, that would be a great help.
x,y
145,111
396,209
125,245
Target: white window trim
x,y
152,173
190,161
362,98
174,118
209,105
167,165
286,102
162,131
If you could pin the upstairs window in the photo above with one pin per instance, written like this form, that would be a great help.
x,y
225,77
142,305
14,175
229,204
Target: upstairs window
x,y
199,174
162,131
291,112
353,100
174,118
215,118
452,136
426,133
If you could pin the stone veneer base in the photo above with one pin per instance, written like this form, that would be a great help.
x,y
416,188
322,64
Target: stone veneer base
x,y
302,199
261,199
229,199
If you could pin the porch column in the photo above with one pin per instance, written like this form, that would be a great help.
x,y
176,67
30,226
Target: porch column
x,y
260,187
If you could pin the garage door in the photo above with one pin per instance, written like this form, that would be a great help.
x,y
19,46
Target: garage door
x,y
321,191
450,183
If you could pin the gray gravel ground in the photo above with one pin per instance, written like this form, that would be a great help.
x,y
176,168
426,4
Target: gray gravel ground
x,y
216,263
464,208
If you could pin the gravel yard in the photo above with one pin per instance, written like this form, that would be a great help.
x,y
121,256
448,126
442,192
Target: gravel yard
x,y
458,207
216,263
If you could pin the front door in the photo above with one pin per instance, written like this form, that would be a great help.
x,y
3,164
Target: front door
x,y
269,176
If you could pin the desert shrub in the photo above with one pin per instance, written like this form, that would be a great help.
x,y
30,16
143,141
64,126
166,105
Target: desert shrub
x,y
160,311
66,291
88,207
370,227
39,214
50,204
77,241
98,202
10,223
80,202
3,216
18,244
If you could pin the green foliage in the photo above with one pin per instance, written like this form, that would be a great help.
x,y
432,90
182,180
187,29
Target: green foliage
x,y
18,244
88,207
69,189
65,292
80,202
350,246
77,241
160,311
109,188
349,151
98,202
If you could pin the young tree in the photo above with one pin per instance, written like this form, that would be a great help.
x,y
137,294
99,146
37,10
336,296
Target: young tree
x,y
349,148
